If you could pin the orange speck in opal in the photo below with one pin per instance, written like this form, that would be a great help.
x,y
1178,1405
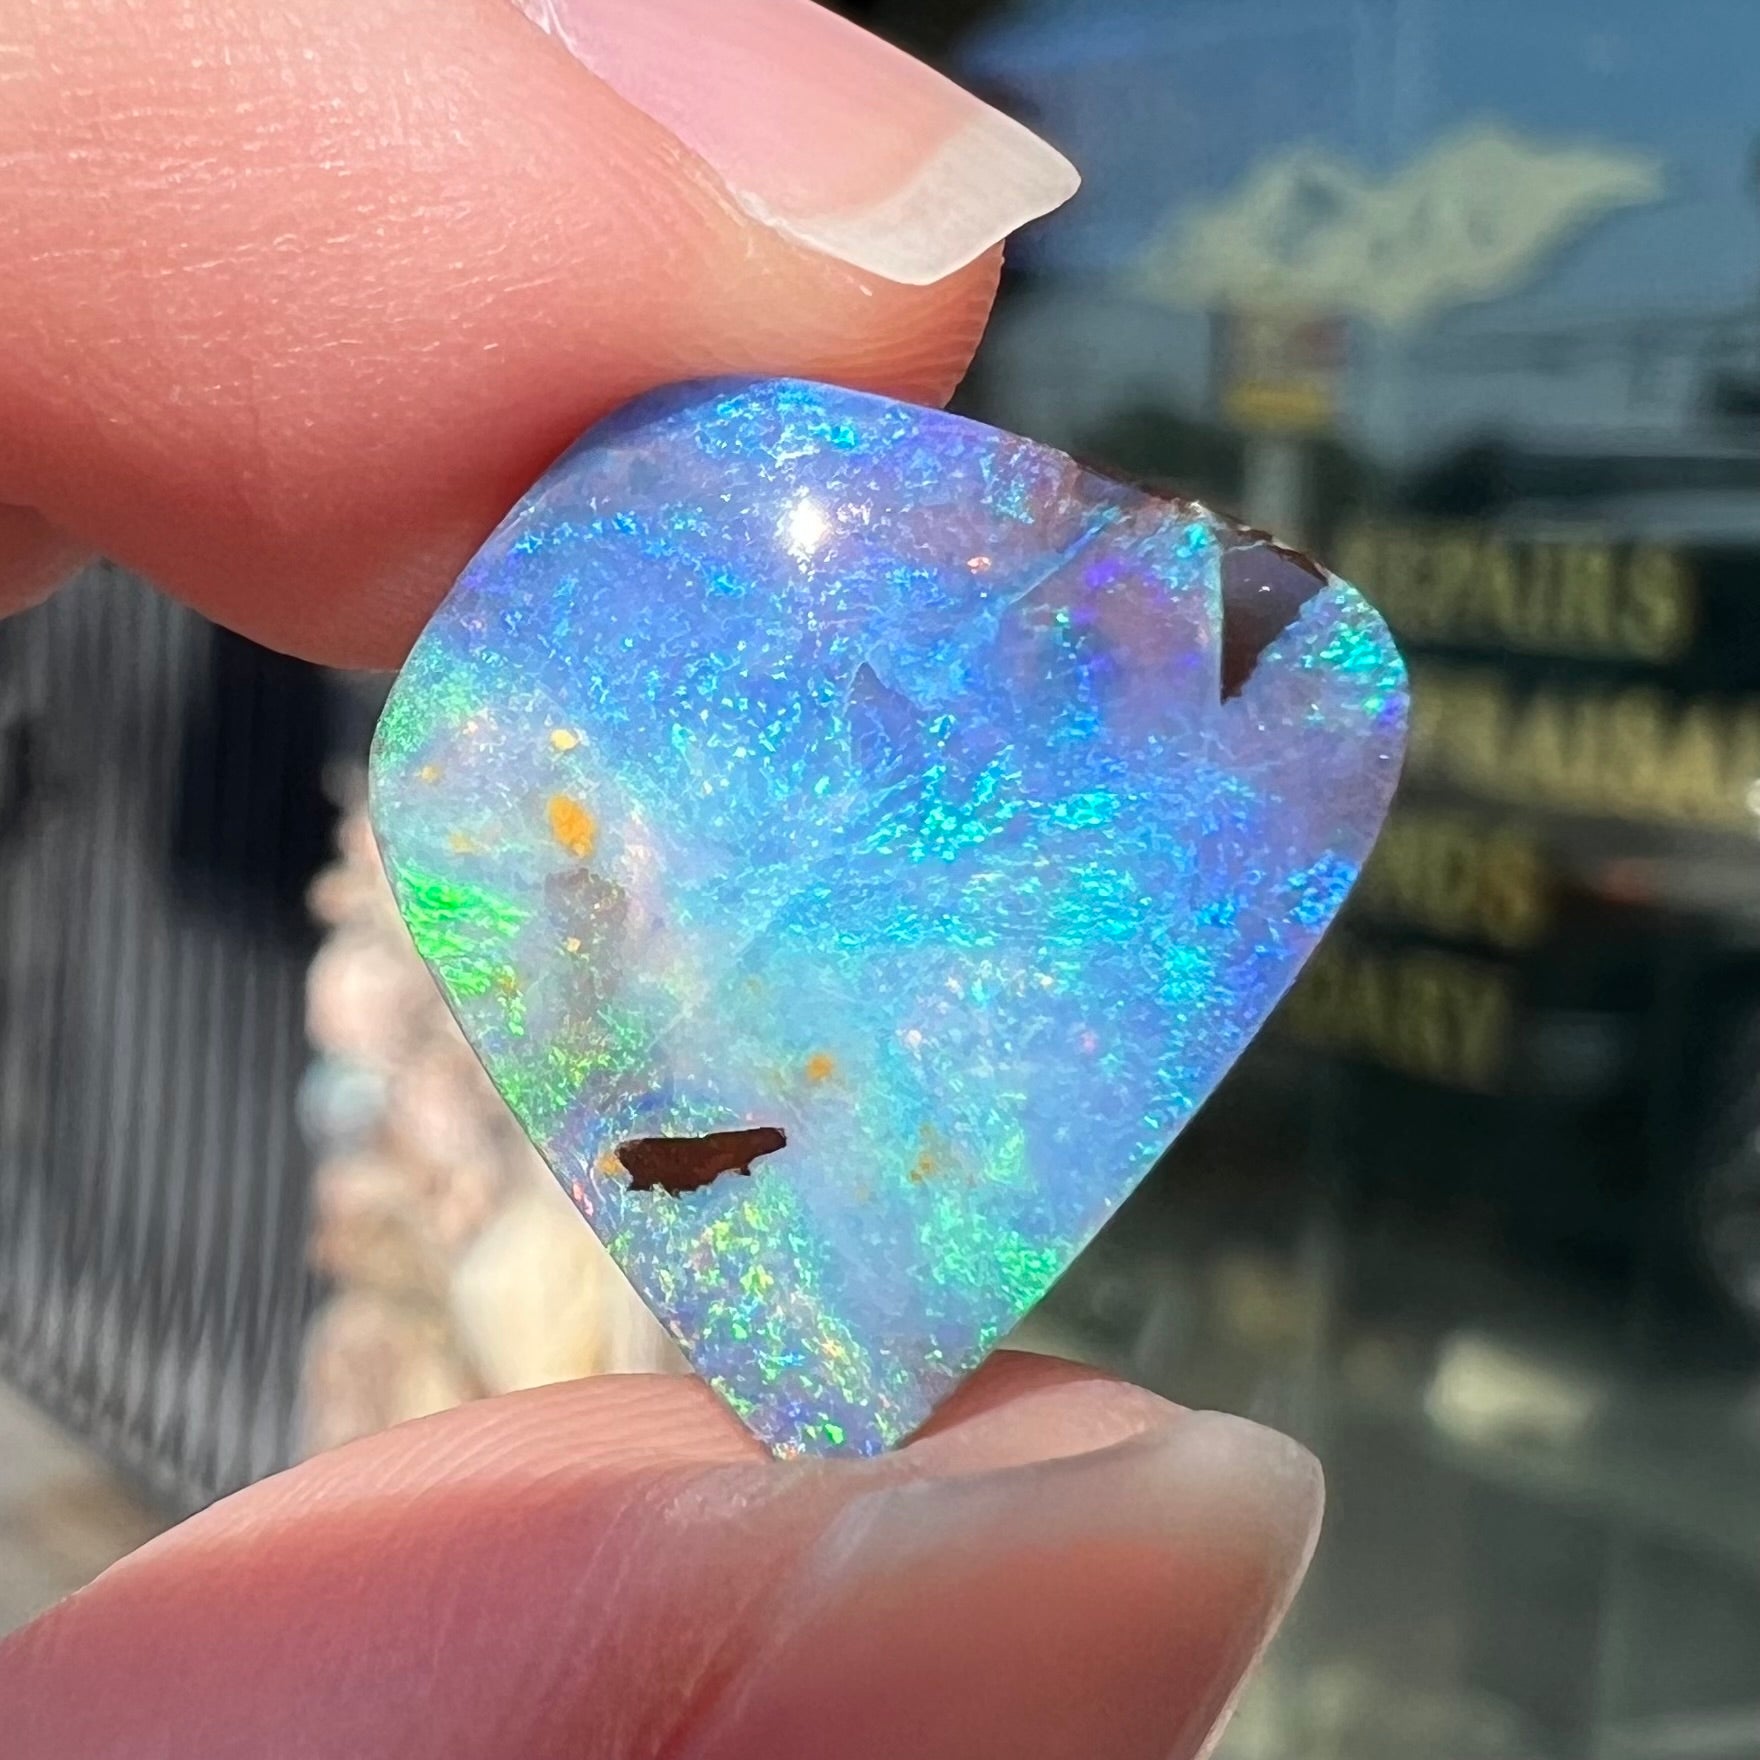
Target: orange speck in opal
x,y
564,739
572,825
928,1162
821,1066
429,773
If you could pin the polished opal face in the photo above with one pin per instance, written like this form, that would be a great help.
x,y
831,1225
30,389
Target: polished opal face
x,y
856,841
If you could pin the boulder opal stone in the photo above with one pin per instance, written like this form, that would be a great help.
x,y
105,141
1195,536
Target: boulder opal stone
x,y
855,841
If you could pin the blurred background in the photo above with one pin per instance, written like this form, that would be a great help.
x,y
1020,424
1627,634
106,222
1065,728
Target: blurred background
x,y
1465,296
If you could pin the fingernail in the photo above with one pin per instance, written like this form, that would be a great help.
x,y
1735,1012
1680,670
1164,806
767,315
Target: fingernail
x,y
1112,1599
819,129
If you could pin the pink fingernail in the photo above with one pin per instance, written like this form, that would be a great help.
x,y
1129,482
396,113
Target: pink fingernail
x,y
820,130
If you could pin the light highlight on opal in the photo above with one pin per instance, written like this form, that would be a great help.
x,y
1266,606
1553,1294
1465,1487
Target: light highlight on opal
x,y
795,761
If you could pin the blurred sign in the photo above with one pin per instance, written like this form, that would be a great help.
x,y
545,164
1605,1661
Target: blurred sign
x,y
1458,585
1278,372
1470,219
1650,711
1584,707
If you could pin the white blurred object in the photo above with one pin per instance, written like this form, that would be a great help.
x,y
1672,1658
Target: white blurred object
x,y
1471,218
537,1299
373,1361
366,999
369,1233
1485,1392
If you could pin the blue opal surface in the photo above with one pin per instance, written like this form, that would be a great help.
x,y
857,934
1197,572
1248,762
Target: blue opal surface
x,y
856,840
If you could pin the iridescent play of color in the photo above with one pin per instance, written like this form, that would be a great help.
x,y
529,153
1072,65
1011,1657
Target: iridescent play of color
x,y
797,763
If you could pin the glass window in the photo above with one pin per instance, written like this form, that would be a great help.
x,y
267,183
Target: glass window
x,y
1464,294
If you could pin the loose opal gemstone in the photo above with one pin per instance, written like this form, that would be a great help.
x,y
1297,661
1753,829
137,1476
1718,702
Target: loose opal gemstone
x,y
856,841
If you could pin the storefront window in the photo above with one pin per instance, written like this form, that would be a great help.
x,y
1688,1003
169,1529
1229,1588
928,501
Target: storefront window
x,y
1467,297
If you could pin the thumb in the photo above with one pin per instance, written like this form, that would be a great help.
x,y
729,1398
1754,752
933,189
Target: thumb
x,y
610,1570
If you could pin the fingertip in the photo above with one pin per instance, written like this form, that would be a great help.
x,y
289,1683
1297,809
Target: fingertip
x,y
613,1567
1020,1406
1113,1597
36,558
782,312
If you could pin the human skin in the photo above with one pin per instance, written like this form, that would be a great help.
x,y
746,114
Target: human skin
x,y
299,297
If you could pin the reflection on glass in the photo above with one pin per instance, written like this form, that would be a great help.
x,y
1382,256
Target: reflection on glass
x,y
1467,296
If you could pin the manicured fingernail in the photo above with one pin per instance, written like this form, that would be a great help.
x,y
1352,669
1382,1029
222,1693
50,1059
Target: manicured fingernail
x,y
820,130
1111,1601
